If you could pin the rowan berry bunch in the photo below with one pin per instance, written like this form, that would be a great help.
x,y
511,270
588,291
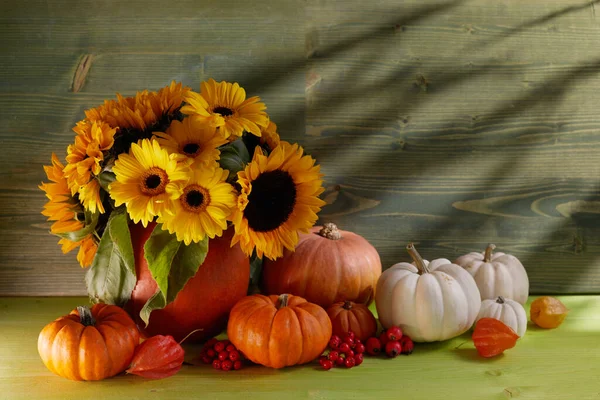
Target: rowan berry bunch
x,y
391,342
343,351
222,354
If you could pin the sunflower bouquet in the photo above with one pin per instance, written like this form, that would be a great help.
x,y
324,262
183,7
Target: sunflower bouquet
x,y
191,165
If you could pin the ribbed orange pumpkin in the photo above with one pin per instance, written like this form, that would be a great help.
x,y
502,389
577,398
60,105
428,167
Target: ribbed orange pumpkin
x,y
349,316
89,344
279,331
328,266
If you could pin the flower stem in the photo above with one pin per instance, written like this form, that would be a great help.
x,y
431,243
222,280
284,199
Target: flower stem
x,y
414,254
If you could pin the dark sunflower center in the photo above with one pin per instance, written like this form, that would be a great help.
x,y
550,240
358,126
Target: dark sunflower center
x,y
195,198
191,149
271,200
154,181
224,111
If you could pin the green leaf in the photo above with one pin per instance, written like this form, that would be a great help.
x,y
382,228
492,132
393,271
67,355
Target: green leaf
x,y
111,278
89,225
106,178
185,265
256,265
171,264
234,157
241,149
119,233
230,161
250,142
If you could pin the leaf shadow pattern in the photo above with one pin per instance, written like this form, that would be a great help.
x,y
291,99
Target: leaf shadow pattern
x,y
276,71
330,98
539,21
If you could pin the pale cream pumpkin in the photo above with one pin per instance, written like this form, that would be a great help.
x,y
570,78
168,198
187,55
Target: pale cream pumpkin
x,y
430,301
508,311
497,274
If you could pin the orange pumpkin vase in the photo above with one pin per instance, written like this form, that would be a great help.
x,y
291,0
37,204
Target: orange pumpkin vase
x,y
329,265
206,299
89,344
279,331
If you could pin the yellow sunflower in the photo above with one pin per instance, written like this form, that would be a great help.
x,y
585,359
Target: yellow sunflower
x,y
84,159
147,181
63,209
203,208
142,111
224,105
269,136
192,140
278,198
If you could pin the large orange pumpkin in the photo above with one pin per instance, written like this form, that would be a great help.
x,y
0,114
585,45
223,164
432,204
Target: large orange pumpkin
x,y
279,331
89,344
349,316
328,266
205,300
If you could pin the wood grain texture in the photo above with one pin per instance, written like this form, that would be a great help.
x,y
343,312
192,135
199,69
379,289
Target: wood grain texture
x,y
544,365
449,123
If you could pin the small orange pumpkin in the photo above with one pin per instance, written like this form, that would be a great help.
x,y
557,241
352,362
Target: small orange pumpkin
x,y
349,316
279,331
89,344
329,265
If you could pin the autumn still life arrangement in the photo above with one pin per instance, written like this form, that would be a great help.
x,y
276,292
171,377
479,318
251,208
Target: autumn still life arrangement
x,y
192,216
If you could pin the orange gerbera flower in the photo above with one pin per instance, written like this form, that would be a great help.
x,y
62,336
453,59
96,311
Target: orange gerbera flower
x,y
142,111
64,210
269,136
87,249
85,159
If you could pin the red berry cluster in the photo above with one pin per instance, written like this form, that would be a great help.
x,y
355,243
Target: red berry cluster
x,y
391,342
345,351
222,354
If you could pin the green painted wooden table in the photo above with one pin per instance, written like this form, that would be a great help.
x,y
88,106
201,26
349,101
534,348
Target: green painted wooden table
x,y
546,364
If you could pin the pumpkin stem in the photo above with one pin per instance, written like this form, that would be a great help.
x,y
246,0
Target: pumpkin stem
x,y
488,253
282,301
85,316
330,231
414,254
500,300
347,305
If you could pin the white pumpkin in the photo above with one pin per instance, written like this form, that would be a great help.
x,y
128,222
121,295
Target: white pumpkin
x,y
430,301
508,311
497,274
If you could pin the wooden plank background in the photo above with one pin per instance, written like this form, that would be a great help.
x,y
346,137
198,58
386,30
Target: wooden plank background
x,y
448,123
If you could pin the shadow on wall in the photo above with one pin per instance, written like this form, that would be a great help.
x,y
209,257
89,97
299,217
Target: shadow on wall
x,y
326,99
